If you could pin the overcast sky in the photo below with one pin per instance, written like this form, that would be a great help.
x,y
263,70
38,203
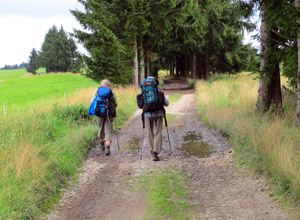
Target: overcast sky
x,y
24,23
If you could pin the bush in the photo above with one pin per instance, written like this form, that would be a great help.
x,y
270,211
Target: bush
x,y
71,113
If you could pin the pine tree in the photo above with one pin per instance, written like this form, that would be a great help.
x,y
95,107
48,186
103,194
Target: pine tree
x,y
129,40
269,84
59,52
279,45
33,62
109,45
134,30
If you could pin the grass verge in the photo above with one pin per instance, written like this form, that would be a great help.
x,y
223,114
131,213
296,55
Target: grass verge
x,y
42,147
167,193
266,143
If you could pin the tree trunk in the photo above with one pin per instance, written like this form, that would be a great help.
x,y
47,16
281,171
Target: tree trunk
x,y
186,66
172,67
142,61
180,61
155,72
206,67
194,65
147,67
297,5
177,66
199,66
269,85
135,65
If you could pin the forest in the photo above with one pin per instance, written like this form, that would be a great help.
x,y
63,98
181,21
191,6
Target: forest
x,y
192,39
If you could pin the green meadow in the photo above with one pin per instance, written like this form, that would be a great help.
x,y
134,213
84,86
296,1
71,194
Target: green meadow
x,y
42,146
18,90
12,74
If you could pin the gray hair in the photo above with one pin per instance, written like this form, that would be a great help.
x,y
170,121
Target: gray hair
x,y
105,82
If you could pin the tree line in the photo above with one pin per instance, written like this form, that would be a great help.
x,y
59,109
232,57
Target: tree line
x,y
58,53
192,38
16,66
187,37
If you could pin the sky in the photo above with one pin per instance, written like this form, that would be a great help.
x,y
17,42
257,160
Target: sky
x,y
24,24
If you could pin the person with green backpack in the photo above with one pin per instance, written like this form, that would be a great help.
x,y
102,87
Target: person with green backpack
x,y
104,107
152,100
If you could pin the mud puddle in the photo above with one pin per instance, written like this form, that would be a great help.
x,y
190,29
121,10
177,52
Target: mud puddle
x,y
131,145
194,146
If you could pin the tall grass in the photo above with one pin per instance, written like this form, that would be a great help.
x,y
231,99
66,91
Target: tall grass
x,y
41,149
267,143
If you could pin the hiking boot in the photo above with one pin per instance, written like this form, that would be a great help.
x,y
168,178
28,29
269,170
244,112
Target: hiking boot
x,y
102,147
107,152
154,156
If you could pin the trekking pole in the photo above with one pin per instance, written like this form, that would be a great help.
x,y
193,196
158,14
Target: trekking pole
x,y
166,124
93,130
169,141
117,134
141,151
144,143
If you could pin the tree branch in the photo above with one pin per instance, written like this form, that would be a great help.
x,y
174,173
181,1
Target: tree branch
x,y
283,36
281,43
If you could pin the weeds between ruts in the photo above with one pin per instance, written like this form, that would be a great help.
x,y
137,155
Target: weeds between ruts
x,y
42,148
266,143
166,193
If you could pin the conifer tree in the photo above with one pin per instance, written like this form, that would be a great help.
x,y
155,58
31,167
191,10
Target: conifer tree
x,y
269,84
59,52
130,39
279,45
139,29
33,62
110,46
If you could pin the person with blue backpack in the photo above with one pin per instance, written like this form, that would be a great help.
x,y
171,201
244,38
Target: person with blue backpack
x,y
104,107
152,100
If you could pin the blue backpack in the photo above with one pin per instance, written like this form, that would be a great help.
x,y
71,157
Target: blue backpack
x,y
103,106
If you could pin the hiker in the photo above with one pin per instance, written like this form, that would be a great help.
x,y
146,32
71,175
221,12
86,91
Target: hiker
x,y
105,112
153,100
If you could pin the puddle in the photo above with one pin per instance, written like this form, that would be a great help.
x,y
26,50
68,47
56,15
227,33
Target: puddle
x,y
195,147
192,137
133,144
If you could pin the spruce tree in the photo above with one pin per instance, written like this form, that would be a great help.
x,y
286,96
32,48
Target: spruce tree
x,y
128,35
109,46
129,40
59,52
279,45
269,85
33,62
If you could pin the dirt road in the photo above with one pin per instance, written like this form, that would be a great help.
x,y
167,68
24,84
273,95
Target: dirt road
x,y
220,190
